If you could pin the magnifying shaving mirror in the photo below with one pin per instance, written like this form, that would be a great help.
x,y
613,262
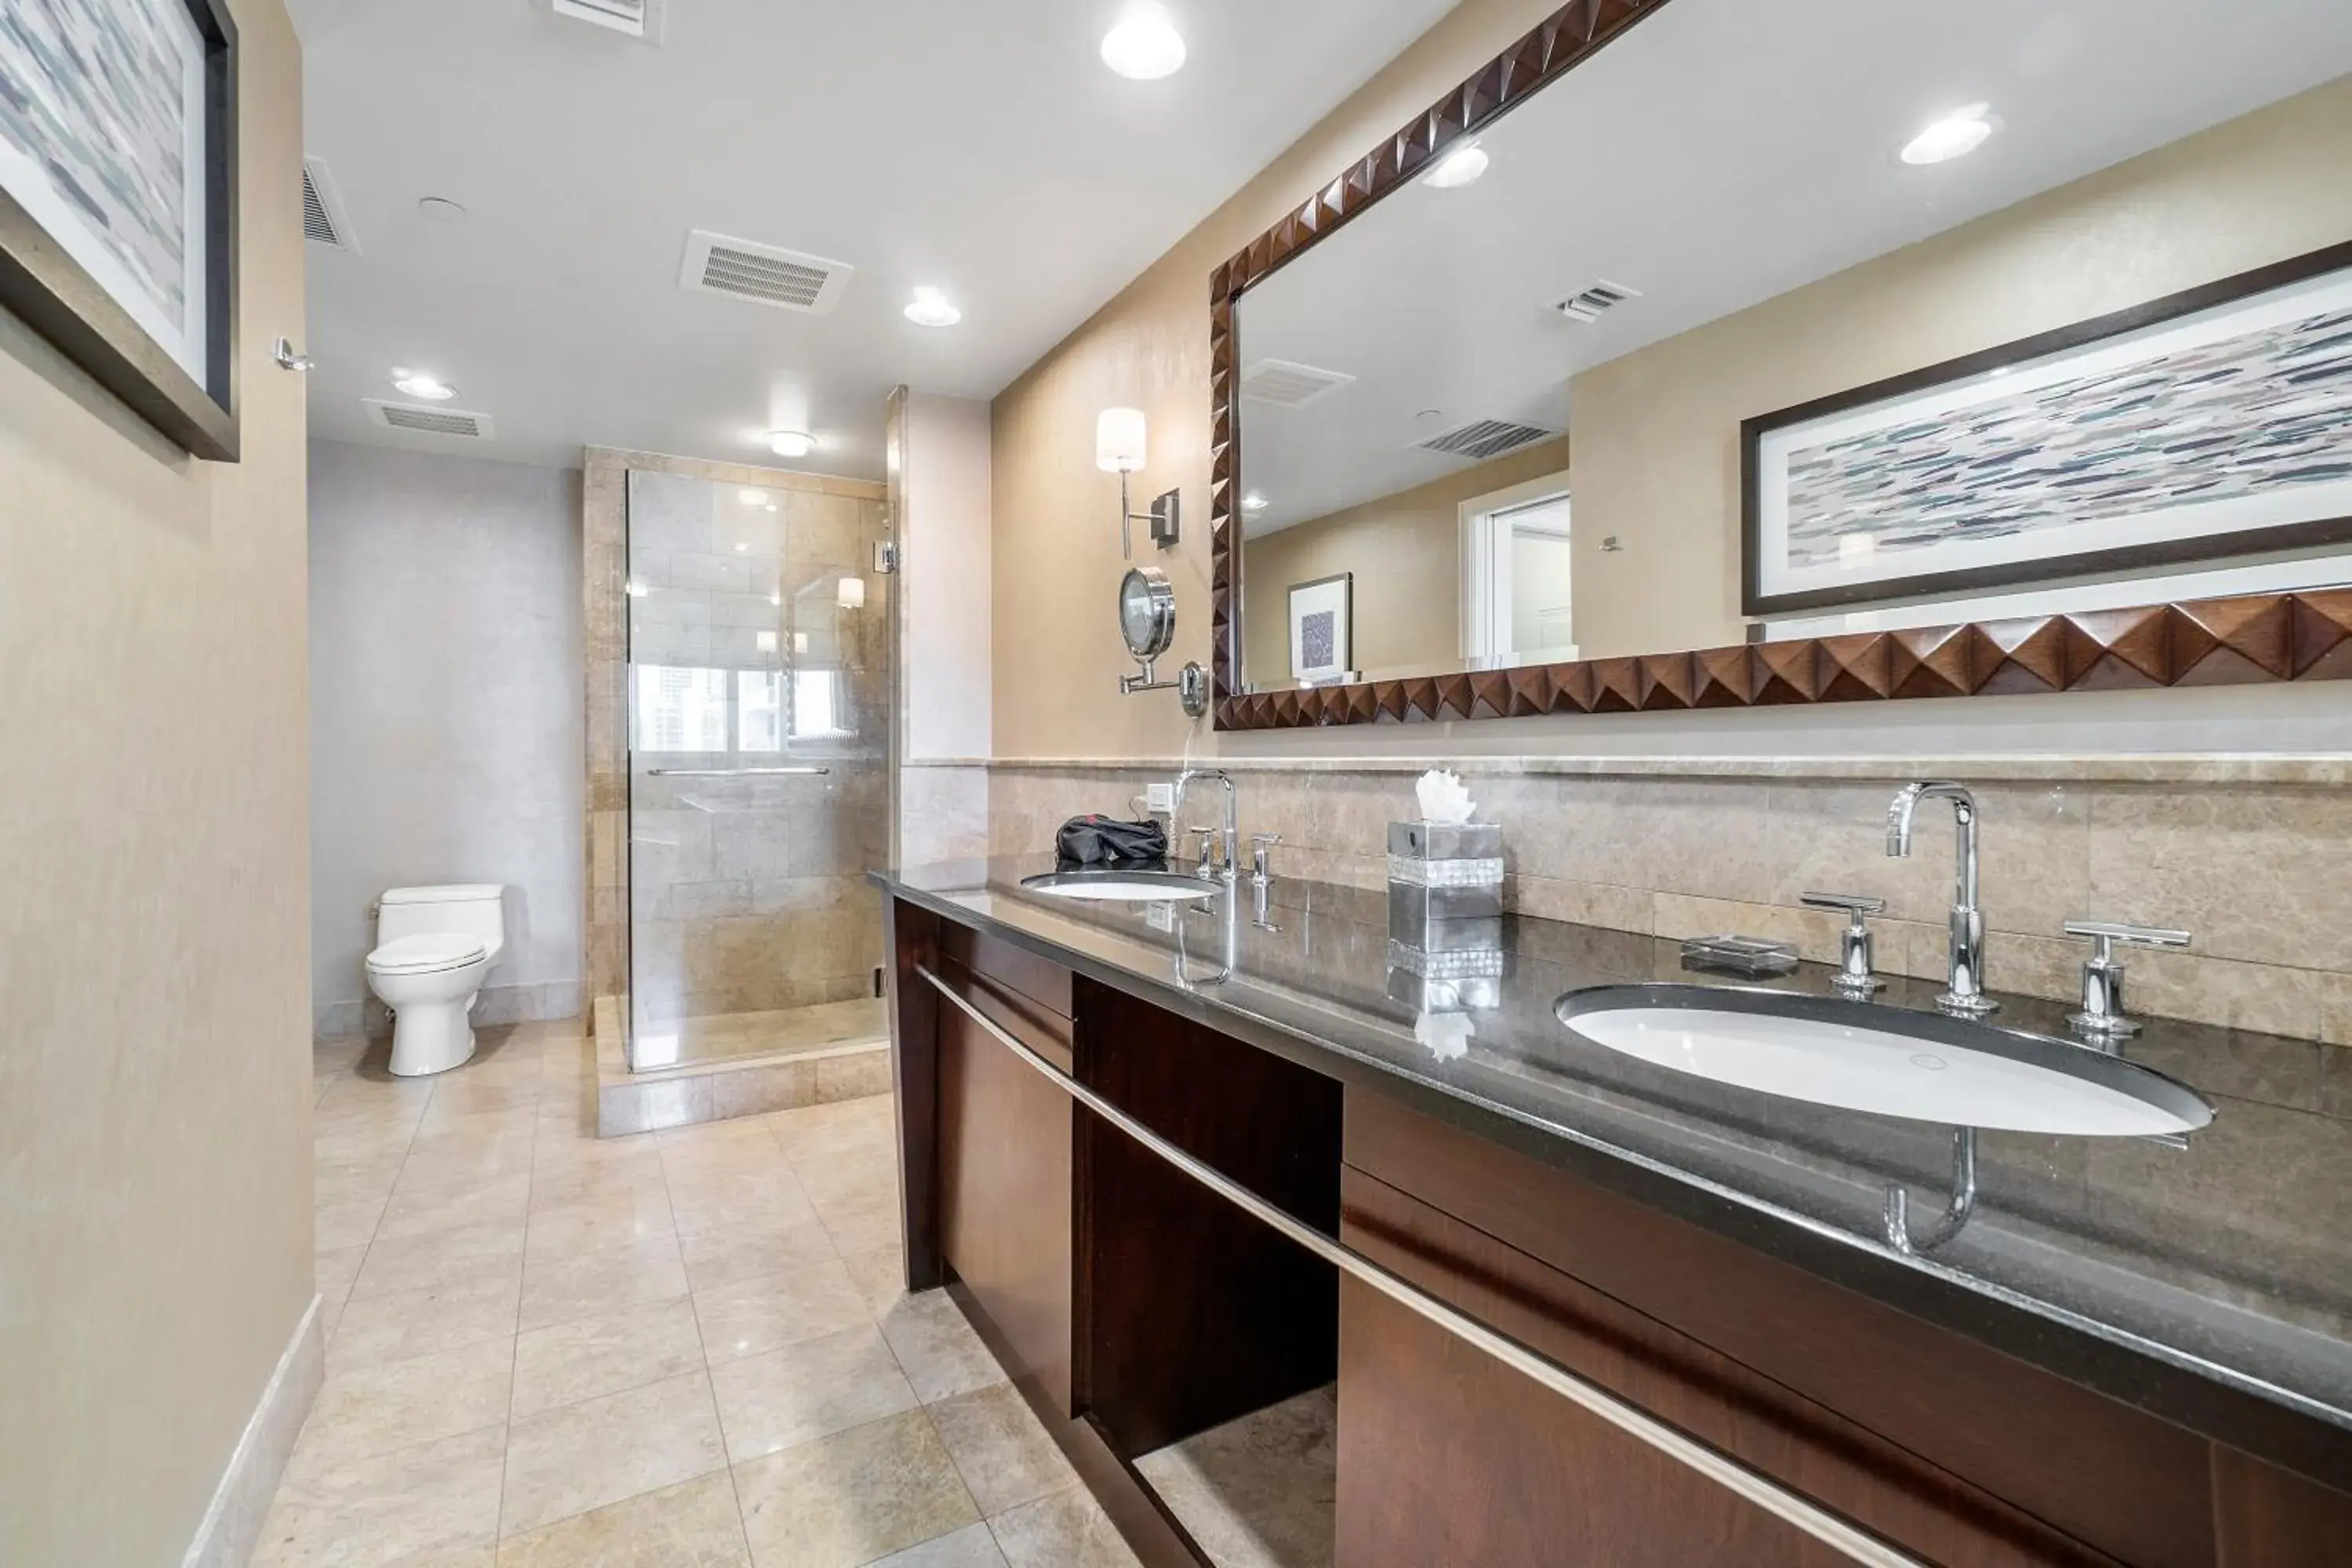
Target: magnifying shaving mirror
x,y
1147,620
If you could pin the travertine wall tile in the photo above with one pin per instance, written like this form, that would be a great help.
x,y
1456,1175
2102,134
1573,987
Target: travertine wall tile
x,y
2262,872
2263,875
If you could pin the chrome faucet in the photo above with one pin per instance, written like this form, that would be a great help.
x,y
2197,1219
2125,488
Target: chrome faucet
x,y
1964,993
1233,829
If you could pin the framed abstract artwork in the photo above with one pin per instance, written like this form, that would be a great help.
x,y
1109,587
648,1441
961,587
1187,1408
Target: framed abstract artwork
x,y
2211,424
1322,630
118,201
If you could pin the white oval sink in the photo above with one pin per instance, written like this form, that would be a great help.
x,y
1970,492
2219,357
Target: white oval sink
x,y
1888,1062
1121,887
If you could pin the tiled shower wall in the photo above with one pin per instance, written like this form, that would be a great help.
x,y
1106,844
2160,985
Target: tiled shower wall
x,y
2253,857
763,903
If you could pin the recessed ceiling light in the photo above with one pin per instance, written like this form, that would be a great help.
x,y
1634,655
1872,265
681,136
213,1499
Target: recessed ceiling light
x,y
931,308
1956,135
1252,502
440,209
790,443
1459,167
741,545
422,383
1145,46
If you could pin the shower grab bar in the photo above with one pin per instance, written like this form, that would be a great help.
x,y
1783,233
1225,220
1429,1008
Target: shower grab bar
x,y
725,773
1791,1507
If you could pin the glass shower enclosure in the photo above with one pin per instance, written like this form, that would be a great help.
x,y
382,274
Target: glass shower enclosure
x,y
758,692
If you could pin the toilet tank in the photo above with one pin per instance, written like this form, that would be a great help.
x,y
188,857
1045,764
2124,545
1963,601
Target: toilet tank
x,y
464,908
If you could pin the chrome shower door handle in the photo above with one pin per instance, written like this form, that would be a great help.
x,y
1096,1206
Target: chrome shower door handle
x,y
730,773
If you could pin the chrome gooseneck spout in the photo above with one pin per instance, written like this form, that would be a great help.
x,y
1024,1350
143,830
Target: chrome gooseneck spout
x,y
1230,836
1964,993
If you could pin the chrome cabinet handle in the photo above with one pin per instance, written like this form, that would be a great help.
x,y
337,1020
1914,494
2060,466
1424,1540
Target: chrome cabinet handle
x,y
1799,1511
1854,977
727,773
2101,1017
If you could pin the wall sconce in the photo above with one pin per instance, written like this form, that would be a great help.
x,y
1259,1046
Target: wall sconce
x,y
850,593
1118,449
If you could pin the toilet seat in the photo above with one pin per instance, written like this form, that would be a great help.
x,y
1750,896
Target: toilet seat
x,y
427,955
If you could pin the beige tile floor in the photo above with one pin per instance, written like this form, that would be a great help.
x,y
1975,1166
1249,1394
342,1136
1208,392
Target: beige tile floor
x,y
685,1348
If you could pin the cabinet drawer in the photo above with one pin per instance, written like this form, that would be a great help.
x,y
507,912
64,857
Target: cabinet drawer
x,y
1009,968
2091,1466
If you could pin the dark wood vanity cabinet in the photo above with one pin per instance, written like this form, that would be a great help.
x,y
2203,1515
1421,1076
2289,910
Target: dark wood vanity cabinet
x,y
1134,1307
1955,1452
1005,1142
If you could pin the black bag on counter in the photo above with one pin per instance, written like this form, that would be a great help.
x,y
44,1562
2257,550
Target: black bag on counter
x,y
1092,840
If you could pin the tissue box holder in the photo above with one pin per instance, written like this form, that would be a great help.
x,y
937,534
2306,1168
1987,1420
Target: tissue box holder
x,y
1445,887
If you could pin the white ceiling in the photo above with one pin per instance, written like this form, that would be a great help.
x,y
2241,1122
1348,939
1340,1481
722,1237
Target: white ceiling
x,y
981,148
1722,152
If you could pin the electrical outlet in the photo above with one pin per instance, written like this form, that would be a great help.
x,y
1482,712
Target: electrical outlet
x,y
1159,797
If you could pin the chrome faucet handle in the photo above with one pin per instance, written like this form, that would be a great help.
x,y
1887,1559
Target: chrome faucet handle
x,y
2103,1017
1260,844
1854,977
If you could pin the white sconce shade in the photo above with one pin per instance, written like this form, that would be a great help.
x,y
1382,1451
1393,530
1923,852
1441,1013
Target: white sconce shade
x,y
850,593
1119,440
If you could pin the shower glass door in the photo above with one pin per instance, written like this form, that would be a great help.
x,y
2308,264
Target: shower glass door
x,y
759,788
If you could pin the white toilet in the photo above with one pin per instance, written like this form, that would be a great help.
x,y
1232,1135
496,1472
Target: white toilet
x,y
433,947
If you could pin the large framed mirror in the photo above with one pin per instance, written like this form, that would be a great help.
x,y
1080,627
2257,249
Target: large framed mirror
x,y
1698,352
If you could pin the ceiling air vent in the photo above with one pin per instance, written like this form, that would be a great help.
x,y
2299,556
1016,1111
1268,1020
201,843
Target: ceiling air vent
x,y
763,274
323,221
1587,304
637,18
1484,438
429,421
1278,381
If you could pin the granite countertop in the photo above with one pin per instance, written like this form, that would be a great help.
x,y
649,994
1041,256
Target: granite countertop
x,y
2211,1284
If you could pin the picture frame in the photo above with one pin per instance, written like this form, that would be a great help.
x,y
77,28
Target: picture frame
x,y
1323,630
118,202
2070,453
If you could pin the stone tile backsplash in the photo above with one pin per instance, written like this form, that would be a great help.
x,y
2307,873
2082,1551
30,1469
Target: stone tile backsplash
x,y
2260,872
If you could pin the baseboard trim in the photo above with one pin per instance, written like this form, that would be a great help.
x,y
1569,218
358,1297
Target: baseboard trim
x,y
232,1525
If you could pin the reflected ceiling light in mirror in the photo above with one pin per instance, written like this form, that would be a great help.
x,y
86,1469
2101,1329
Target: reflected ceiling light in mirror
x,y
850,593
1459,167
790,443
741,545
930,307
1119,440
752,498
1252,502
422,383
1956,135
636,590
1145,46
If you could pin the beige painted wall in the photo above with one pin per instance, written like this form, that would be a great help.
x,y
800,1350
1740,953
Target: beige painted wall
x,y
1406,552
1657,431
154,995
1058,650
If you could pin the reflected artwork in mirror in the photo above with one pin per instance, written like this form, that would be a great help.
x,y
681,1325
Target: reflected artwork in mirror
x,y
1646,376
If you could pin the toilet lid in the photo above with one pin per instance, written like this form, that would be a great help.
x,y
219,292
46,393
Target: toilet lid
x,y
422,954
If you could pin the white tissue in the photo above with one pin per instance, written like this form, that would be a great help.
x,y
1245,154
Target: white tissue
x,y
1443,798
1447,1035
